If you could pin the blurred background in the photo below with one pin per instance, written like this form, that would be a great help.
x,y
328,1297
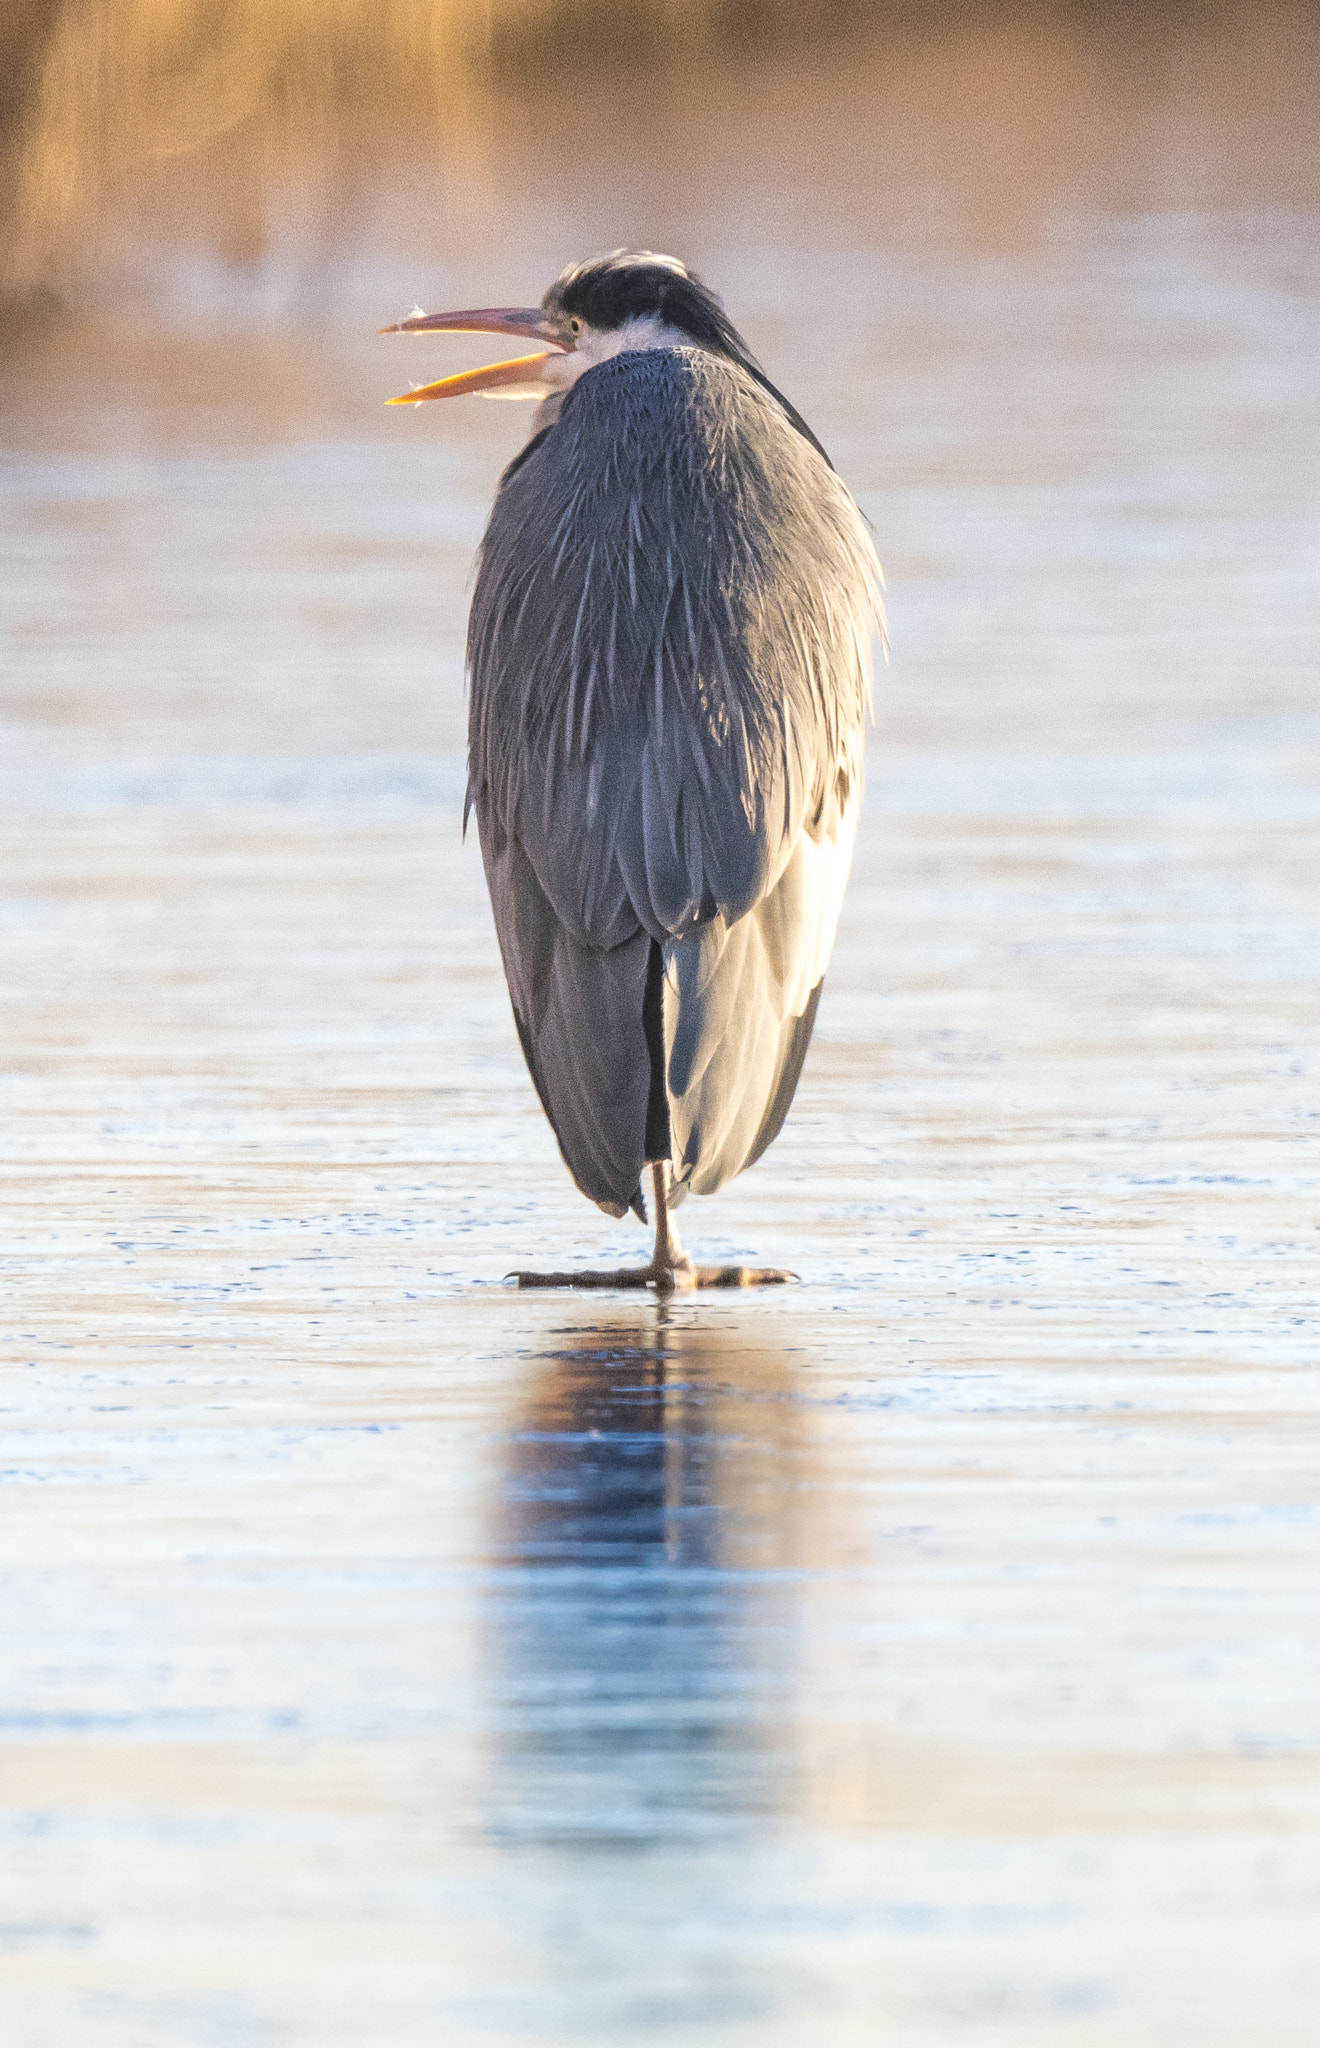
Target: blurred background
x,y
1062,254
267,141
925,1655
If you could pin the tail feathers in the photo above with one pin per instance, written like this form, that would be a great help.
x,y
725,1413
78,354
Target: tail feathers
x,y
740,1006
580,1018
728,1103
691,1051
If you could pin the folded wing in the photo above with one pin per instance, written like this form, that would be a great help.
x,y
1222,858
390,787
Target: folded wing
x,y
669,656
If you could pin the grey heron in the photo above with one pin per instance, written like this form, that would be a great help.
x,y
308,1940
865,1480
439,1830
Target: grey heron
x,y
669,658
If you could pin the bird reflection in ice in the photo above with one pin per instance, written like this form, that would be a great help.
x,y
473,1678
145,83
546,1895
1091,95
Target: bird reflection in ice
x,y
643,1620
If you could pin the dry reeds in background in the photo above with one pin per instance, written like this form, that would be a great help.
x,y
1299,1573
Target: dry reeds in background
x,y
197,121
96,94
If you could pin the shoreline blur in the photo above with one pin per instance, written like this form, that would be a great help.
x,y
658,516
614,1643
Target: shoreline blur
x,y
190,159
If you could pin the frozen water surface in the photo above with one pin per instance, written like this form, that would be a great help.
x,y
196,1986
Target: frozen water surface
x,y
925,1654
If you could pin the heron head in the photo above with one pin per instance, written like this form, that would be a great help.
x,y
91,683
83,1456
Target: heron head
x,y
609,293
628,300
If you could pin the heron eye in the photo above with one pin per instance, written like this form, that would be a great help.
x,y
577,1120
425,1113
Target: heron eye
x,y
575,326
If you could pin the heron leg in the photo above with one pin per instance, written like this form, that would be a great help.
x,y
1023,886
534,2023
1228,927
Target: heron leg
x,y
671,1270
669,1256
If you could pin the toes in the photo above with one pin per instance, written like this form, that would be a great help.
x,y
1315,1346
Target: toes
x,y
743,1276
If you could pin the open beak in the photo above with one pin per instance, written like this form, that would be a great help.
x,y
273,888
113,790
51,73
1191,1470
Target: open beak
x,y
520,378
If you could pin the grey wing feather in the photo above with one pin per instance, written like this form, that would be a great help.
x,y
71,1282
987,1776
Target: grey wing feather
x,y
579,1017
670,668
740,1004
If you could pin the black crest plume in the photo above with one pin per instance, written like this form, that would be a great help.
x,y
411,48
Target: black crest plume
x,y
606,291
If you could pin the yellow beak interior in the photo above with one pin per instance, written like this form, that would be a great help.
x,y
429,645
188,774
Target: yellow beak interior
x,y
519,378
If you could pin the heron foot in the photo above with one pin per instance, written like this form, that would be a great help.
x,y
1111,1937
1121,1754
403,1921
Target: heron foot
x,y
677,1279
671,1271
742,1276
